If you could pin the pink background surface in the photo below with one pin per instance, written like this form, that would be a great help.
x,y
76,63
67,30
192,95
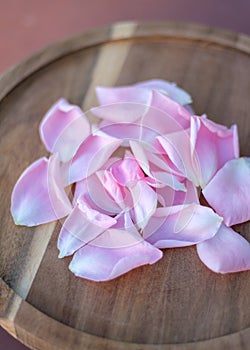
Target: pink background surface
x,y
29,25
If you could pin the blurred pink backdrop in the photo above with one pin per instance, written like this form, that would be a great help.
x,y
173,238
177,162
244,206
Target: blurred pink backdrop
x,y
29,25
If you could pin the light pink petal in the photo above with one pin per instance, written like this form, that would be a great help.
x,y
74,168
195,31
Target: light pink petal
x,y
91,156
167,88
178,148
110,95
112,187
168,180
38,196
141,92
167,196
163,162
126,170
82,226
63,129
226,252
178,113
141,156
229,191
144,202
162,118
113,253
95,193
155,121
181,226
120,111
159,177
213,146
123,131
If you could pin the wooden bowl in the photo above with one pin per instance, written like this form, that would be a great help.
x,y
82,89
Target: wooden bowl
x,y
175,304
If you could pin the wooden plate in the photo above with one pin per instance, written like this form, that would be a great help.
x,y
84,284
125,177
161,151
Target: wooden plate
x,y
175,304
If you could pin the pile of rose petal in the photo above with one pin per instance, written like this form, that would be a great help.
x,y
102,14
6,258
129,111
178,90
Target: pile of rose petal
x,y
137,177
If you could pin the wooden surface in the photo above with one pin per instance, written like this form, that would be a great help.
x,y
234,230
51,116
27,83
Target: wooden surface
x,y
175,304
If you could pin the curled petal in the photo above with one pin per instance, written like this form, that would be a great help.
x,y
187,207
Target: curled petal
x,y
63,129
113,188
212,146
97,195
144,202
126,170
226,252
115,252
82,226
90,156
181,225
167,177
177,146
38,196
229,191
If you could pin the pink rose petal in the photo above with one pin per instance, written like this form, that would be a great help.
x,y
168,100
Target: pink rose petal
x,y
144,202
163,116
38,196
112,187
82,226
126,170
120,112
94,192
213,145
167,88
180,115
177,146
112,95
91,156
168,197
113,253
181,226
63,129
166,178
226,252
229,191
141,92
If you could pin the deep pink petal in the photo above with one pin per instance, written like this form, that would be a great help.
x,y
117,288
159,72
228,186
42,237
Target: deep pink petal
x,y
213,146
144,202
226,252
38,196
113,253
91,156
82,226
181,226
63,129
229,191
126,170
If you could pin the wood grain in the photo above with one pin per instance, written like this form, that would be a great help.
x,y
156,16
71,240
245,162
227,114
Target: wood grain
x,y
175,304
